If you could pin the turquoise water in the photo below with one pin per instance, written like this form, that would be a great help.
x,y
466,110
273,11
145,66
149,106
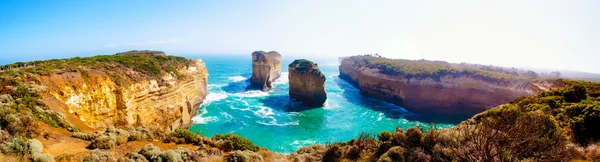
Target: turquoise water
x,y
271,120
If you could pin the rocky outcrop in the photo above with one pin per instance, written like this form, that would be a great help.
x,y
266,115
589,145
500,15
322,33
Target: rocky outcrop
x,y
266,67
449,91
100,97
307,83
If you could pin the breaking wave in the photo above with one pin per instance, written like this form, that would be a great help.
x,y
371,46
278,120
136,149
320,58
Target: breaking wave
x,y
237,78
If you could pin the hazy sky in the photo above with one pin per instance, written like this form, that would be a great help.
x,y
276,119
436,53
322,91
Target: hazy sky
x,y
555,34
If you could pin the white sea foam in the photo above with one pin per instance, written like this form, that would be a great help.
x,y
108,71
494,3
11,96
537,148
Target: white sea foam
x,y
241,109
264,112
274,123
283,79
380,117
303,142
254,93
212,97
237,78
211,86
201,119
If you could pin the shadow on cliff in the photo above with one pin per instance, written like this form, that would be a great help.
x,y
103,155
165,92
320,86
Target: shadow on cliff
x,y
284,103
352,94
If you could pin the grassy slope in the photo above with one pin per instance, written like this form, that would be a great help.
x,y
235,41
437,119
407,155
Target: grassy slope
x,y
559,125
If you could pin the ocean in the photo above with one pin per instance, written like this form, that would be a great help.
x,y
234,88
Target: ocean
x,y
273,121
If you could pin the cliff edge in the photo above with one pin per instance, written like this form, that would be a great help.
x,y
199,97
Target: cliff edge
x,y
124,90
307,83
436,87
266,67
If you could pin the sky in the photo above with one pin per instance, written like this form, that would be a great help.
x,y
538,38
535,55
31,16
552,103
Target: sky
x,y
554,34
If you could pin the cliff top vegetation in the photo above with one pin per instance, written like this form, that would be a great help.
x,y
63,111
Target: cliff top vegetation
x,y
147,52
437,69
304,65
149,64
272,57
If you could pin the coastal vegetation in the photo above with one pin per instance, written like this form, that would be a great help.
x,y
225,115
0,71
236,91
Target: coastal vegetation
x,y
437,69
555,125
304,65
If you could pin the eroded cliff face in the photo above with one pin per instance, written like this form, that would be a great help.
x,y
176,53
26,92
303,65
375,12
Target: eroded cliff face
x,y
123,97
266,68
461,95
307,83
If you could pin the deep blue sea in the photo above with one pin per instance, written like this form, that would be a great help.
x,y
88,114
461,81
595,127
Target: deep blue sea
x,y
272,120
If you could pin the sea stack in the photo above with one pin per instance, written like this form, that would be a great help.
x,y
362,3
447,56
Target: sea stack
x,y
307,83
266,67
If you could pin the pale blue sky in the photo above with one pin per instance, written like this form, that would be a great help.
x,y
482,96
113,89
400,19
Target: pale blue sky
x,y
538,33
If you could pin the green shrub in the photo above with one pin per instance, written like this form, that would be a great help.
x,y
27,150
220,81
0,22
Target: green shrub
x,y
384,136
186,135
244,156
35,146
151,152
584,121
88,136
394,154
39,157
99,156
133,157
574,93
103,142
171,156
17,145
235,142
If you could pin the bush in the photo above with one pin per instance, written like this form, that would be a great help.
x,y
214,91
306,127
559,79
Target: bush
x,y
384,136
171,156
35,146
38,157
352,153
151,152
333,154
235,142
88,136
17,145
574,93
584,121
399,137
394,154
133,157
413,137
99,156
186,135
21,124
244,156
103,142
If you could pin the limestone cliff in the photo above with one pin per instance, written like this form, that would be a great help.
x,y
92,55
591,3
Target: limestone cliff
x,y
428,87
266,67
307,83
124,90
